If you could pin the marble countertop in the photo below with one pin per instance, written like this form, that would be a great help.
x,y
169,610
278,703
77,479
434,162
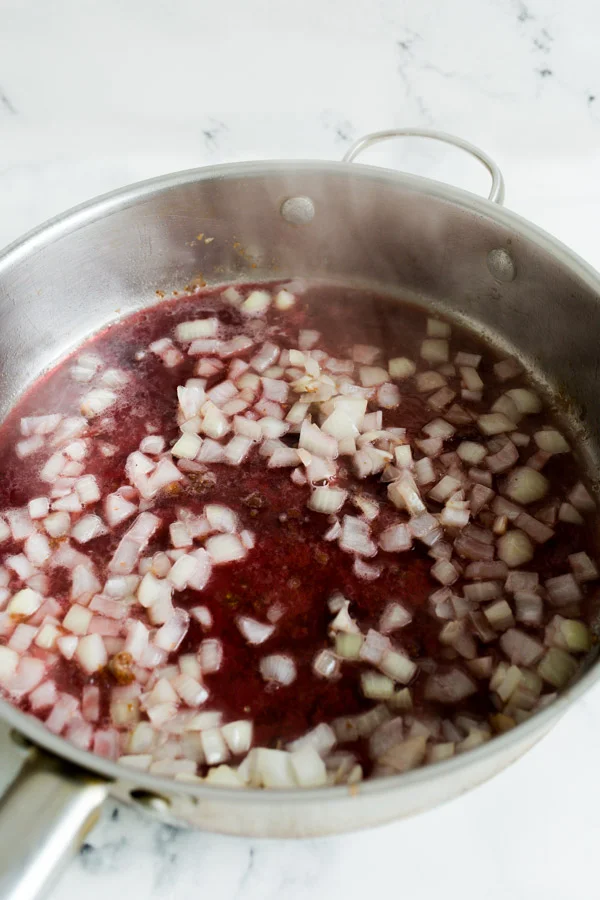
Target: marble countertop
x,y
96,95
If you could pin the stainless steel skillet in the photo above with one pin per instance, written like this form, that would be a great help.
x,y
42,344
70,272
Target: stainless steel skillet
x,y
410,237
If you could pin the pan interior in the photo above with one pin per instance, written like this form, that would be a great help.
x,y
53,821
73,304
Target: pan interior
x,y
413,240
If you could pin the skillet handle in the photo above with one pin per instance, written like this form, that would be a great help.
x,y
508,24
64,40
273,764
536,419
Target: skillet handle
x,y
45,816
496,194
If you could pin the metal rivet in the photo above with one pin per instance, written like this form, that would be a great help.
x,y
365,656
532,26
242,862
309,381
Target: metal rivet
x,y
501,265
298,210
151,802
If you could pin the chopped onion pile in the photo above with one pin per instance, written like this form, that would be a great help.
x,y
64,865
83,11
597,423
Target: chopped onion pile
x,y
470,492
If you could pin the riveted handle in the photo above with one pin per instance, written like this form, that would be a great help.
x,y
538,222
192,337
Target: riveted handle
x,y
45,816
496,194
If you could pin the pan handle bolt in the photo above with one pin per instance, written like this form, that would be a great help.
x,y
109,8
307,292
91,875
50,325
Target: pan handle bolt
x,y
298,210
501,265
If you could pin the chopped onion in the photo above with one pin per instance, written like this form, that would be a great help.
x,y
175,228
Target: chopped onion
x,y
557,667
91,653
395,538
495,423
224,548
316,441
450,687
326,664
327,500
210,656
365,571
278,668
400,367
584,569
397,666
356,537
521,648
525,485
515,548
254,632
580,498
563,590
435,351
393,617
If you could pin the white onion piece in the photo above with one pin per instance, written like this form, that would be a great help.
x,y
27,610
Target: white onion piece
x,y
283,457
405,495
495,423
170,635
22,638
91,653
187,447
393,617
397,666
439,428
365,571
339,425
521,648
580,498
326,665
28,447
395,538
584,569
248,428
87,528
43,697
424,472
238,736
515,548
278,668
441,399
551,441
400,367
214,423
20,565
210,656
97,401
284,300
117,509
211,452
444,489
266,356
435,351
563,590
507,369
504,404
388,396
224,548
372,376
429,381
83,582
333,533
536,530
327,500
37,508
272,428
450,687
221,518
316,441
525,485
444,572
253,631
356,537
37,549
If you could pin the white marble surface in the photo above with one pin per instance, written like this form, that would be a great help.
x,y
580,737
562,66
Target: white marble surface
x,y
95,95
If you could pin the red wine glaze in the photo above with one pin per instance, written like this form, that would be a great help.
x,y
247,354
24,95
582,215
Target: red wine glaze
x,y
291,565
